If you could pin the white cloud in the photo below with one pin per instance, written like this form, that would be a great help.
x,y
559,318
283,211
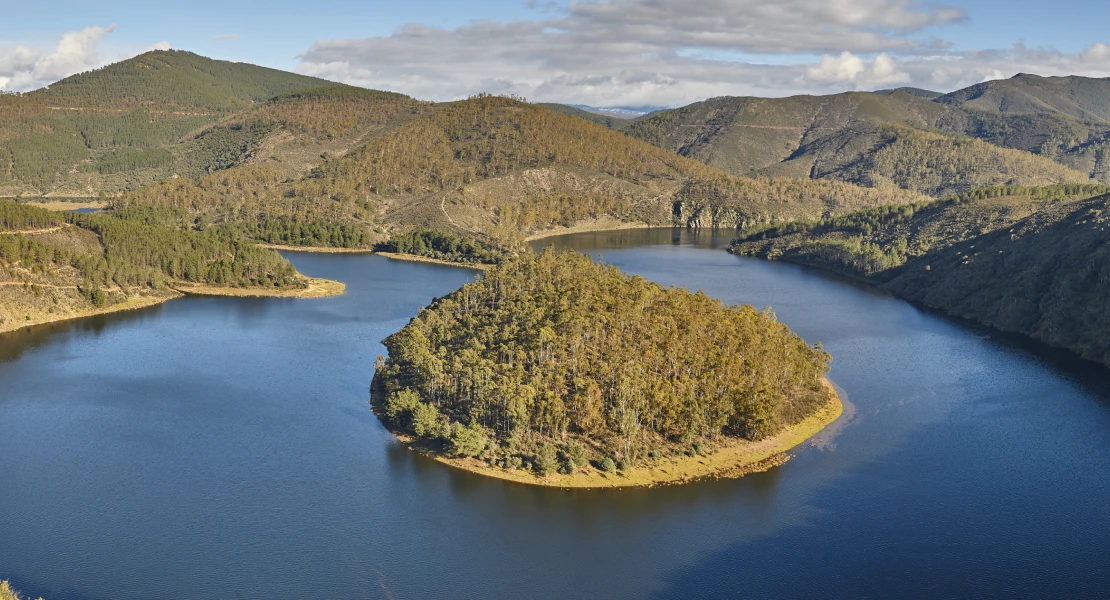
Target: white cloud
x,y
855,72
668,52
631,51
159,46
1097,52
26,68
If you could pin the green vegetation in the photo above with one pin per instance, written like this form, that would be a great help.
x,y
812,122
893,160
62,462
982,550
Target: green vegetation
x,y
19,217
444,246
59,264
178,78
117,128
1027,260
939,165
902,137
552,361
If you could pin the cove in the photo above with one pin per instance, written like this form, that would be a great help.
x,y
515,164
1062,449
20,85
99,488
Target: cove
x,y
224,447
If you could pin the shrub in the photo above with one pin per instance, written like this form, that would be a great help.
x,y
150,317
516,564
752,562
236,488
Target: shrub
x,y
546,460
607,465
425,420
468,440
576,456
400,405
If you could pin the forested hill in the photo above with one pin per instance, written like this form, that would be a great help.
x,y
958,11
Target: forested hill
x,y
1034,261
93,150
1062,121
57,265
1084,98
175,78
556,362
494,167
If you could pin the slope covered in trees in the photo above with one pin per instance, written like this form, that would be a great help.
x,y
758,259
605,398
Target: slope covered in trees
x,y
165,78
488,166
118,127
554,362
55,265
802,136
1027,260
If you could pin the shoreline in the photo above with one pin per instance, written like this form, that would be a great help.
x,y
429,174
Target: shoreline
x,y
731,461
434,261
390,255
130,304
316,249
317,288
589,227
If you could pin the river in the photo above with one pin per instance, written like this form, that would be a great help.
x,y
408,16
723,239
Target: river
x,y
220,447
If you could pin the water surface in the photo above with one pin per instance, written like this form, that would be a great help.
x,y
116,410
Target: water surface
x,y
214,447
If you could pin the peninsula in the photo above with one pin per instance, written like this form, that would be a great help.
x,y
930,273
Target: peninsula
x,y
556,370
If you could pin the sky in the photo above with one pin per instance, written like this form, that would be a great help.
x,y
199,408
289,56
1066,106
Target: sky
x,y
597,52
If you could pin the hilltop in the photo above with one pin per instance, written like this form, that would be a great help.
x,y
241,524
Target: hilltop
x,y
1027,260
132,123
797,135
556,364
175,78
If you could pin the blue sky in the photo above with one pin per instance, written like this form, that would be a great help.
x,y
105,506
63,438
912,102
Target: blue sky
x,y
609,52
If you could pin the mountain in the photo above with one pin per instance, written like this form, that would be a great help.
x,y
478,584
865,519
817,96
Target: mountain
x,y
175,78
798,135
118,127
1083,98
1034,261
491,166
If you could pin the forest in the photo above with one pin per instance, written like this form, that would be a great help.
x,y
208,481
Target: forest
x,y
1027,260
556,362
99,260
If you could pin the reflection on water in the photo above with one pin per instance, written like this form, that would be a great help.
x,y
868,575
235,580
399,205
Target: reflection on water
x,y
224,447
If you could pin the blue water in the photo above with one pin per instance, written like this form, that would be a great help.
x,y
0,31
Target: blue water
x,y
224,448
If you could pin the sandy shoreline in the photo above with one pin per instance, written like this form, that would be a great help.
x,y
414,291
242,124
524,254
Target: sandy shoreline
x,y
129,304
733,460
317,288
599,225
434,261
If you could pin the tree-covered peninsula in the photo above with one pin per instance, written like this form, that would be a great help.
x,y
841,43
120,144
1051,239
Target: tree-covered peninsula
x,y
558,370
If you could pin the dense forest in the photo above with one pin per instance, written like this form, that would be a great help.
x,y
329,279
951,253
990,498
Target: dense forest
x,y
553,361
446,246
1028,260
61,263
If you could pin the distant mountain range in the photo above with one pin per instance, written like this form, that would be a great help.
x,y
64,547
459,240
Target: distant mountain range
x,y
620,112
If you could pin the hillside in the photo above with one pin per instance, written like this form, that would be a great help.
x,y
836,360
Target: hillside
x,y
131,123
1031,261
490,167
801,136
175,78
555,363
1084,98
62,265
